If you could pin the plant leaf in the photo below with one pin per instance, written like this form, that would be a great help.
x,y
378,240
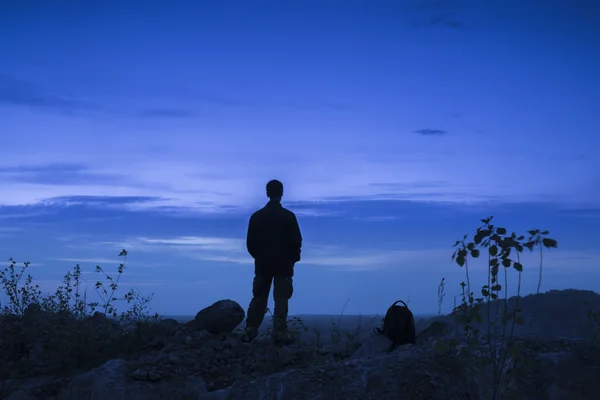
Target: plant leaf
x,y
518,266
549,243
493,250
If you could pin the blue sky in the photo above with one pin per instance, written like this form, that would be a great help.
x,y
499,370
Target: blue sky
x,y
395,127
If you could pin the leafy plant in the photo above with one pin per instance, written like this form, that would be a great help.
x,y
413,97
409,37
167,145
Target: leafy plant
x,y
20,296
139,310
503,251
107,294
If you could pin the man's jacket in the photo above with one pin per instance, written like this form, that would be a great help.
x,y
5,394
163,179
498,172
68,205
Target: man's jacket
x,y
274,239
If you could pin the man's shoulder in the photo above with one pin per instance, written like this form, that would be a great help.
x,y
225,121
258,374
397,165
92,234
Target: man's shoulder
x,y
267,212
288,213
257,213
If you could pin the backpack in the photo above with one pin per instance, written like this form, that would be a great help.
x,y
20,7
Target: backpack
x,y
398,325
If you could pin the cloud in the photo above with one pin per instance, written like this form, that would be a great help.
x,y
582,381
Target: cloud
x,y
24,93
198,243
445,21
101,201
91,260
316,212
378,218
167,113
16,212
207,248
59,174
586,213
232,101
555,259
17,92
233,250
10,229
362,260
431,132
435,14
181,173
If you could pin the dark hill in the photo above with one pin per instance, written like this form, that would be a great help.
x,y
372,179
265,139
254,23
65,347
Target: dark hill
x,y
556,313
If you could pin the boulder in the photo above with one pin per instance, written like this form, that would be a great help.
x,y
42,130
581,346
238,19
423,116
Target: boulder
x,y
374,345
112,381
559,369
214,367
221,317
408,373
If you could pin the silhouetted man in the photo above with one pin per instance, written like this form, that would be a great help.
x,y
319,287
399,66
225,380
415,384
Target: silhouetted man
x,y
274,241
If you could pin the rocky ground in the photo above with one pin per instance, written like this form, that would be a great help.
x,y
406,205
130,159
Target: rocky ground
x,y
54,356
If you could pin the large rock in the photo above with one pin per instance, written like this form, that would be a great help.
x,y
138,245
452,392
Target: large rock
x,y
208,367
409,373
559,369
221,317
374,345
111,381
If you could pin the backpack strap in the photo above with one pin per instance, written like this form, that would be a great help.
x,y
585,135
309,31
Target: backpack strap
x,y
400,301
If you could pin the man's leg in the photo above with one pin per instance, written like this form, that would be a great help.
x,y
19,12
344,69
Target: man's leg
x,y
261,286
282,293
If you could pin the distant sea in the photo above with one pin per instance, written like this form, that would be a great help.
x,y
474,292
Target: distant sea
x,y
320,317
323,323
313,317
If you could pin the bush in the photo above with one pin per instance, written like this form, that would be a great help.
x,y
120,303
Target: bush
x,y
63,331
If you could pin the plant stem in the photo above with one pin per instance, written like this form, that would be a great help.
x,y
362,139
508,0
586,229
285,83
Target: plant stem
x,y
541,257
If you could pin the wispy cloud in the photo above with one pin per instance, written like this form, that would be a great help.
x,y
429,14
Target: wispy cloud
x,y
315,212
346,259
377,218
198,243
435,14
90,260
172,187
261,102
18,92
167,113
555,259
445,20
233,250
59,174
16,213
431,132
10,229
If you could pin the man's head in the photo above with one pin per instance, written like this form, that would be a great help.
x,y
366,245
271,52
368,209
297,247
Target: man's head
x,y
275,190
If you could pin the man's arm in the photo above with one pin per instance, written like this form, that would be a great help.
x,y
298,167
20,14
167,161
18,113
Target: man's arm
x,y
251,237
296,237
